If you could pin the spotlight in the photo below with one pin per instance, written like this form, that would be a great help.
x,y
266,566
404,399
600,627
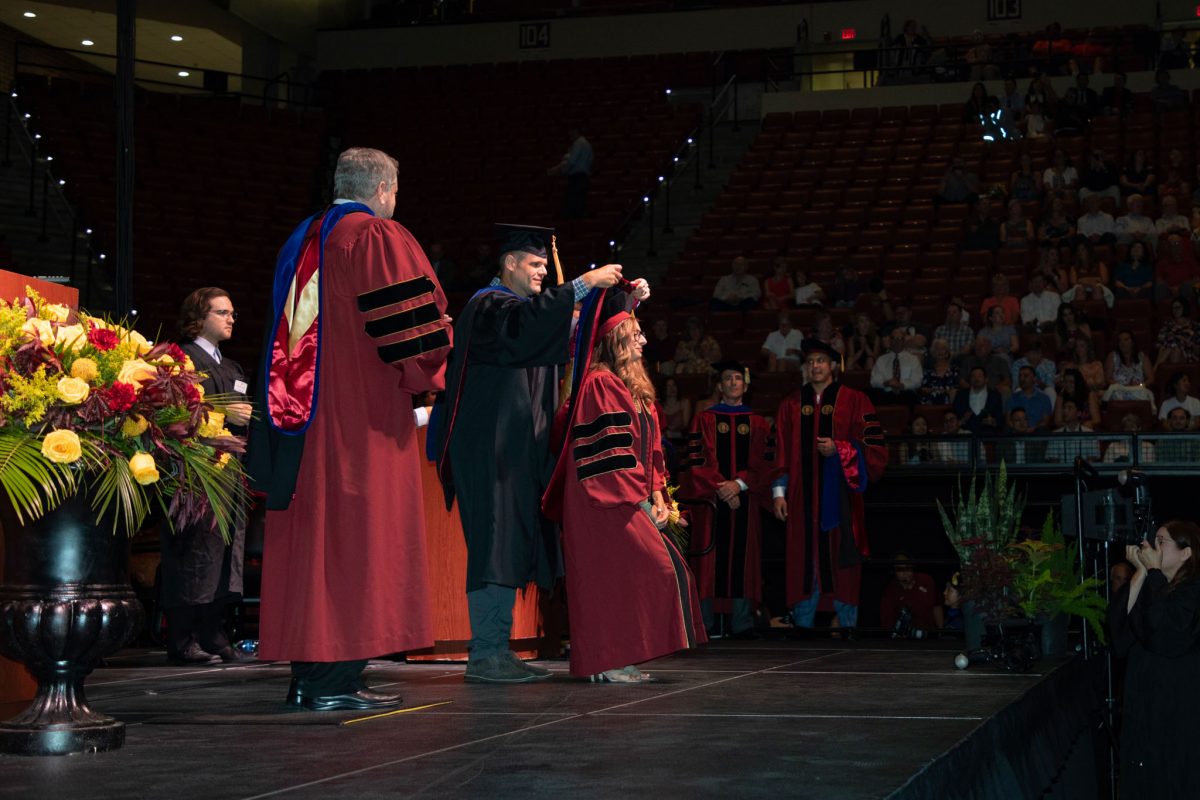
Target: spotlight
x,y
612,243
103,256
176,38
88,231
689,140
37,136
668,91
29,15
87,43
49,158
660,178
61,182
14,94
183,73
675,159
133,312
27,115
646,198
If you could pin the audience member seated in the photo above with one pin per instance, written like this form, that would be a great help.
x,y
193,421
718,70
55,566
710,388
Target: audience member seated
x,y
1175,181
1176,271
957,335
697,351
979,408
917,452
659,351
1081,355
914,591
782,346
1038,409
958,185
1116,100
1178,395
1138,176
897,373
1074,387
825,331
1017,230
864,345
1178,338
1171,221
1165,95
980,231
1094,225
1086,97
976,107
1034,124
1000,334
1089,277
1070,324
847,286
1177,449
1119,451
902,319
1100,178
1019,445
1012,100
995,367
957,452
1043,368
1041,91
1135,226
1010,305
1039,308
1026,182
1057,279
939,381
677,412
1070,118
808,294
778,289
1061,176
1128,371
737,291
1065,449
1057,229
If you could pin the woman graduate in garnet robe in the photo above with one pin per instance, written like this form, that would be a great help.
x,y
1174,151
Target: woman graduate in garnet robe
x,y
630,594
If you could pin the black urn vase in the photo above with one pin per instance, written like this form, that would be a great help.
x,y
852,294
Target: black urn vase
x,y
65,603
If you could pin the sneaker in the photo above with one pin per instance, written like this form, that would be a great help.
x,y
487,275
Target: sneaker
x,y
622,675
497,669
532,669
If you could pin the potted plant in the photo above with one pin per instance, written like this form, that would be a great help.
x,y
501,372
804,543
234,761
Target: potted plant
x,y
98,426
981,525
1048,590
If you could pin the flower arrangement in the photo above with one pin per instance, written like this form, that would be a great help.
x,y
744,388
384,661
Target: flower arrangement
x,y
89,403
1046,579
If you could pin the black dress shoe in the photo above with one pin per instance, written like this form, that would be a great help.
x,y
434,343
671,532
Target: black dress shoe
x,y
298,691
231,656
361,700
191,657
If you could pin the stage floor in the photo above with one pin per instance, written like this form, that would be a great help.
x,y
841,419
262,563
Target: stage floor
x,y
773,718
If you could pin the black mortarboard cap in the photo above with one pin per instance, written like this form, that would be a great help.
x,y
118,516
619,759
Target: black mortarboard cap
x,y
524,239
732,364
818,346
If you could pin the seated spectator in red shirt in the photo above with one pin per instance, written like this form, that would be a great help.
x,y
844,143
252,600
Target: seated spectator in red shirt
x,y
778,288
914,591
1001,297
1176,271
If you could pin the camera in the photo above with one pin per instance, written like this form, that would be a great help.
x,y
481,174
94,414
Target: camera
x,y
1016,648
904,629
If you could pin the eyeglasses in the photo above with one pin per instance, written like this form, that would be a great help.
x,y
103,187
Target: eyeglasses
x,y
224,312
640,336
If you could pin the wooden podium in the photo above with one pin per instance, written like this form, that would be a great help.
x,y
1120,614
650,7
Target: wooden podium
x,y
16,684
448,581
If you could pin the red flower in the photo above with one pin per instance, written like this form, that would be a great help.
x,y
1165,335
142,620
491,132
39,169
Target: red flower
x,y
191,393
103,339
176,353
120,397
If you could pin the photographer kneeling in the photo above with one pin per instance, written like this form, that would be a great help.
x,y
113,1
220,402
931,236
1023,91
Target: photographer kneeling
x,y
1155,622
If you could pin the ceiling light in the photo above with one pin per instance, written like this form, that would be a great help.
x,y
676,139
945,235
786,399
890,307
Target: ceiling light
x,y
87,43
176,38
30,15
183,73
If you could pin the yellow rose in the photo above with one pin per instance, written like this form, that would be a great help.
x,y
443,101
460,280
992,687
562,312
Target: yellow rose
x,y
200,389
85,369
190,367
136,372
39,329
134,426
144,470
223,460
62,447
72,336
57,312
72,390
94,322
212,426
140,343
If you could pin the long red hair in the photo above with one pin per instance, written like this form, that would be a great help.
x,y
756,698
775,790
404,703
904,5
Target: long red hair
x,y
613,353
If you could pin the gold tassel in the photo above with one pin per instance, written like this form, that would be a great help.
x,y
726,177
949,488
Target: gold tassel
x,y
557,263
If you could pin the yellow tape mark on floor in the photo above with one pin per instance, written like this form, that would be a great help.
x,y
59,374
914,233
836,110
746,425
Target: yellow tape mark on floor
x,y
397,711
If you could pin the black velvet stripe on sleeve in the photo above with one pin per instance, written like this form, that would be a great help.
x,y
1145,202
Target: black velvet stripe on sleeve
x,y
403,321
410,348
396,293
613,419
605,465
610,442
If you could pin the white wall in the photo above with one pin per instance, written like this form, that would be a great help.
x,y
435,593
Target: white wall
x,y
686,31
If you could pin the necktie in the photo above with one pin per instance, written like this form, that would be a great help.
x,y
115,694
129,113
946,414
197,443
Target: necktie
x,y
896,366
217,355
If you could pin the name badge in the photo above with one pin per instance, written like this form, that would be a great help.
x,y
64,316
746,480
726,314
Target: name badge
x,y
240,387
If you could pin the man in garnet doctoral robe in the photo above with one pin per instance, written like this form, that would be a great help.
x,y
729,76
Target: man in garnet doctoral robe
x,y
829,449
727,462
491,438
357,329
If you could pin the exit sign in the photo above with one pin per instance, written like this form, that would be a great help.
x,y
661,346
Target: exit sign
x,y
849,33
1000,10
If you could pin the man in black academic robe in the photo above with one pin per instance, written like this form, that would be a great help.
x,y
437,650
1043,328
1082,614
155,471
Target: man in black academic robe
x,y
201,574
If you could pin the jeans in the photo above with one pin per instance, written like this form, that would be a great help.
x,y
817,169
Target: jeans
x,y
804,611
